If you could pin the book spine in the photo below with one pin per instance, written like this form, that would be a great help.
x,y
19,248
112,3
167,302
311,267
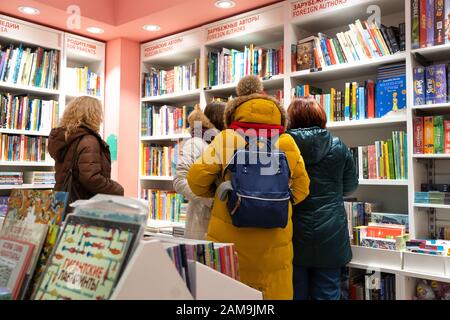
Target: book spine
x,y
430,22
419,86
447,21
440,75
430,85
438,134
439,20
415,23
428,136
447,136
418,135
423,24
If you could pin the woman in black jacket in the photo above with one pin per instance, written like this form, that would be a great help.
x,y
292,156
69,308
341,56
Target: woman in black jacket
x,y
321,239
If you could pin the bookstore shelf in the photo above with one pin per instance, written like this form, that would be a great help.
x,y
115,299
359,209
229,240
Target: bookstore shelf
x,y
347,70
76,95
27,186
24,132
434,53
172,137
28,89
26,164
432,206
366,123
174,97
382,182
372,267
156,178
432,156
441,107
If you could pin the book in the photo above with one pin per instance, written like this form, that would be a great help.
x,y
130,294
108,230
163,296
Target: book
x,y
447,22
419,86
164,205
88,259
418,123
438,134
430,84
440,77
447,136
428,135
390,218
23,148
439,22
294,66
159,160
430,22
15,257
82,81
423,23
305,54
163,120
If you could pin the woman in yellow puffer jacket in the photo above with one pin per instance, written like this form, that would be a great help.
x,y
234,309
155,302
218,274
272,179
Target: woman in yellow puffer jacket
x,y
265,255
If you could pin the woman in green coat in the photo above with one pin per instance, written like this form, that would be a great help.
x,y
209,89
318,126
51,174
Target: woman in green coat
x,y
321,240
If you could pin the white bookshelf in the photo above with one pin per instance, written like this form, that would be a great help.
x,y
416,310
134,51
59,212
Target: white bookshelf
x,y
171,137
284,23
432,206
76,53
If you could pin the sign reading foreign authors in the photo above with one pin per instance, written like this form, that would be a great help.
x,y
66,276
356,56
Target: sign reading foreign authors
x,y
306,7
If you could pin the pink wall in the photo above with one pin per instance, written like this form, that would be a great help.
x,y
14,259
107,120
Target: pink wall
x,y
122,110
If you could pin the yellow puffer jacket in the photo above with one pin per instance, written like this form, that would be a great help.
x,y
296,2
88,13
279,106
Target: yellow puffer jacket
x,y
265,255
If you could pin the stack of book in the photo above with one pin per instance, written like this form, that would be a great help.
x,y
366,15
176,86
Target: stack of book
x,y
179,79
35,67
229,65
25,113
11,178
82,81
431,135
39,177
429,23
384,159
23,148
159,160
431,85
359,213
165,120
164,205
431,290
367,285
355,45
434,247
443,233
432,197
381,236
221,257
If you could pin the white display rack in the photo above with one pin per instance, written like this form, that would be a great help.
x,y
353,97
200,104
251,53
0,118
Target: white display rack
x,y
432,156
167,137
27,186
174,97
289,21
74,51
432,206
157,178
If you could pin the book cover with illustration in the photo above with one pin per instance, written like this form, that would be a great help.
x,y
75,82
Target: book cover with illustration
x,y
390,95
87,260
15,257
42,207
305,54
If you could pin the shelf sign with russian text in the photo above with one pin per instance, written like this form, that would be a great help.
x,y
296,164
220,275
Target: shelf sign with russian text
x,y
244,25
80,46
163,46
28,33
307,7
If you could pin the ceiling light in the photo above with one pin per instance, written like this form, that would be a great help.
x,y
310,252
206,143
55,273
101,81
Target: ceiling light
x,y
29,10
95,30
225,4
152,27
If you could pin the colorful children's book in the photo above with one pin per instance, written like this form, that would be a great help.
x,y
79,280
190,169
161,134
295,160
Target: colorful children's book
x,y
15,257
88,259
419,86
440,76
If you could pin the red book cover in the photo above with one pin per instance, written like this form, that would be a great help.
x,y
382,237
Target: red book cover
x,y
418,135
316,59
330,52
370,99
423,24
384,232
447,136
373,37
223,264
372,162
281,55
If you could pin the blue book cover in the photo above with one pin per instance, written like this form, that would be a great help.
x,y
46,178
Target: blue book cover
x,y
390,95
18,62
430,92
430,23
362,103
440,75
419,86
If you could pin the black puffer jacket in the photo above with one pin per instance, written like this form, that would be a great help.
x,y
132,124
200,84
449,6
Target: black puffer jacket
x,y
321,236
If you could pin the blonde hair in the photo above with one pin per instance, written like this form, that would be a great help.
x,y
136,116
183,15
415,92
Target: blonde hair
x,y
82,111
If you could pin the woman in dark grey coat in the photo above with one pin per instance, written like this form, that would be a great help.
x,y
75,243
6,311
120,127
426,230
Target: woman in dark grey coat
x,y
321,239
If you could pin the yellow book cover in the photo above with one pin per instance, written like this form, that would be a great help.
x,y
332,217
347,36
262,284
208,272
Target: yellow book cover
x,y
354,106
386,160
403,154
347,101
428,135
332,103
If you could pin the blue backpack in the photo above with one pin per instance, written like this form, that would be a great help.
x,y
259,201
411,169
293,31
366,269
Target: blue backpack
x,y
259,191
